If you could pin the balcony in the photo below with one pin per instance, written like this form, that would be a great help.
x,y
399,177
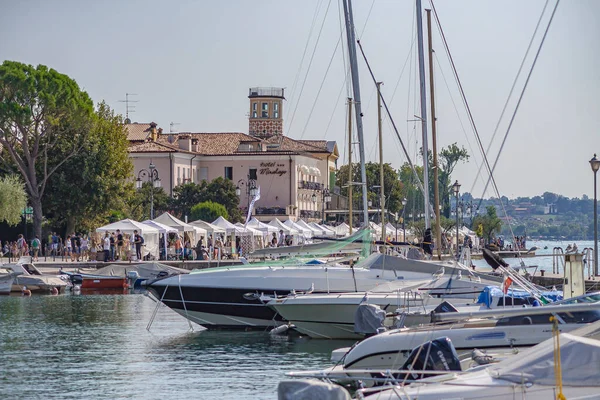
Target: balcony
x,y
310,185
270,211
310,214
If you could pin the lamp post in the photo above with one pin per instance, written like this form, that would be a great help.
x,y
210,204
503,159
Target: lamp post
x,y
404,201
595,164
251,189
326,200
151,175
456,189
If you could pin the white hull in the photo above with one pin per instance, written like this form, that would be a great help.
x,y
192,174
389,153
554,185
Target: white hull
x,y
6,282
211,321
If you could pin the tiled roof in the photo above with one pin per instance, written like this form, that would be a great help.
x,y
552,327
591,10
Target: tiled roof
x,y
152,147
222,143
289,144
137,131
320,144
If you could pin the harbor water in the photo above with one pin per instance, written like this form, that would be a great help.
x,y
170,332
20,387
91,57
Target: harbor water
x,y
93,345
97,346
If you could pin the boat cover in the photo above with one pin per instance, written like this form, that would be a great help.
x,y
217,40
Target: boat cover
x,y
490,293
368,318
580,362
146,270
309,389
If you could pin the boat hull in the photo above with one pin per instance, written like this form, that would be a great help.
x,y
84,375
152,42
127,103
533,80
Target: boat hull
x,y
104,283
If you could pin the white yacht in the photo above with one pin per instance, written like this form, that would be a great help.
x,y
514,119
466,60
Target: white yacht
x,y
7,277
31,278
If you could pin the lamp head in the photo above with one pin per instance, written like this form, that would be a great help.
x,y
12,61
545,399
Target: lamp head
x,y
238,191
456,188
404,201
151,166
595,164
314,198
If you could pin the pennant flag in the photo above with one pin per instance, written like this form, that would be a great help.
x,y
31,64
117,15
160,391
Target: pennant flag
x,y
254,200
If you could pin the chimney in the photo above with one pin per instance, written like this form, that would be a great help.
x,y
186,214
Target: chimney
x,y
153,131
185,142
195,147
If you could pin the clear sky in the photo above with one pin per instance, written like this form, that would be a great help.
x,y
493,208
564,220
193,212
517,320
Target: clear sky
x,y
192,62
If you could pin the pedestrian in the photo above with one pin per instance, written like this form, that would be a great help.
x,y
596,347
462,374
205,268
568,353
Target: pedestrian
x,y
113,242
84,248
20,245
74,248
138,240
68,247
209,244
120,244
281,241
35,245
106,246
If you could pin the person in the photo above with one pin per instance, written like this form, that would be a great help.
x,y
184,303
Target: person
x,y
54,243
274,240
199,247
106,246
238,245
209,244
218,247
138,240
178,247
120,243
113,242
35,246
428,242
20,245
68,247
281,241
74,248
84,247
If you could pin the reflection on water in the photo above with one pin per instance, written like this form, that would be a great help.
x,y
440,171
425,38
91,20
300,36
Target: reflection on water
x,y
97,346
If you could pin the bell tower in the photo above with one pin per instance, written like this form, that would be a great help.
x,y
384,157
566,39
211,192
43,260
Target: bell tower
x,y
265,118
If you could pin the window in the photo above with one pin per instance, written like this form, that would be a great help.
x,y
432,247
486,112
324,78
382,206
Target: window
x,y
254,114
178,175
254,110
265,110
203,174
229,173
252,173
275,110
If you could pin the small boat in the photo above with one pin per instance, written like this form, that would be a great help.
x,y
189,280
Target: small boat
x,y
30,277
7,277
94,281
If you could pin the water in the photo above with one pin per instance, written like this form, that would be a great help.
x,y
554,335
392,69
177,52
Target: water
x,y
97,346
543,259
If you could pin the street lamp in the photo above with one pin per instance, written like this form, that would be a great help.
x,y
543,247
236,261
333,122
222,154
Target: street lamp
x,y
325,199
456,189
403,228
251,189
150,174
595,164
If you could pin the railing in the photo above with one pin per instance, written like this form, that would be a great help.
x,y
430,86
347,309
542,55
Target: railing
x,y
310,214
270,211
310,185
265,91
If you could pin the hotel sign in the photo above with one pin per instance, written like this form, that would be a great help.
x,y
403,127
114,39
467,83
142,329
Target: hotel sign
x,y
272,168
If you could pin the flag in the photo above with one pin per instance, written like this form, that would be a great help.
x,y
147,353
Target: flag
x,y
506,284
254,200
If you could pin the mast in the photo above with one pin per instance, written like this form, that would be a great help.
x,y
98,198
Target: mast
x,y
423,115
436,190
350,163
381,195
357,105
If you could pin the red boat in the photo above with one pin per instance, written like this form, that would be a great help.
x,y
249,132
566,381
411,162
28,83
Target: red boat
x,y
88,281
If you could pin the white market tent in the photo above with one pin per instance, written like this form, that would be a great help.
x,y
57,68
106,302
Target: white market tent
x,y
193,231
164,229
261,226
149,233
341,230
307,233
281,226
325,229
253,231
231,229
315,231
210,228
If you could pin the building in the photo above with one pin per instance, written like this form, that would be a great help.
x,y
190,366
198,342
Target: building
x,y
294,176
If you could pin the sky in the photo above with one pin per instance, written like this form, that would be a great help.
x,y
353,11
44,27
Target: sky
x,y
191,63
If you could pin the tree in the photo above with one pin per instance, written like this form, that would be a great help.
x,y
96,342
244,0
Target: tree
x,y
44,120
13,199
96,181
487,225
447,160
138,206
219,190
209,211
185,196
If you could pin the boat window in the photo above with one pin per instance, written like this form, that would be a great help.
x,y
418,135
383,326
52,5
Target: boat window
x,y
536,319
580,317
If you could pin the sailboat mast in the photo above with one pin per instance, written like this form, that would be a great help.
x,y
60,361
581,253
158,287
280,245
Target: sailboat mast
x,y
423,115
381,193
350,163
436,189
357,105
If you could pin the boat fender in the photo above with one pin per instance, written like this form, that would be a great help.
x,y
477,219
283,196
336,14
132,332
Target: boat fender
x,y
280,330
25,291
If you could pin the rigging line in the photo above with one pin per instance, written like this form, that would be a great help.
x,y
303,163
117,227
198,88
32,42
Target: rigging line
x,y
454,105
320,88
512,119
419,183
345,64
310,31
312,57
513,87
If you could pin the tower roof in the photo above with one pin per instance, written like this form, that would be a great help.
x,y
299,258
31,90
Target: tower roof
x,y
266,92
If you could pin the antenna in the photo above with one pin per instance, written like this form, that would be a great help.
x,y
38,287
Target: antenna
x,y
171,125
128,108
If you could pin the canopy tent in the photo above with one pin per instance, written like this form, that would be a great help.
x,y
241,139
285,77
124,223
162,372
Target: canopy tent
x,y
306,233
210,228
231,229
254,232
342,229
164,229
128,226
315,231
325,229
287,230
193,231
261,226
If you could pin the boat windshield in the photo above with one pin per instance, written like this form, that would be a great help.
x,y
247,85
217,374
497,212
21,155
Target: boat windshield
x,y
579,317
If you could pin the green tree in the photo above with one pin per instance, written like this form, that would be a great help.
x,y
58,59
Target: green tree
x,y
13,199
139,205
209,211
488,224
185,196
39,110
219,190
222,191
448,158
95,182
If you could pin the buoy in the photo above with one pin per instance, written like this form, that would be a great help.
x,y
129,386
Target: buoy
x,y
25,291
54,291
